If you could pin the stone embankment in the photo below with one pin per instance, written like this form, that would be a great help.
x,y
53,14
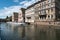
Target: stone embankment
x,y
48,23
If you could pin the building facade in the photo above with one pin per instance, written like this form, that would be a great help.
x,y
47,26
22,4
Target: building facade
x,y
29,15
19,17
15,17
43,10
47,10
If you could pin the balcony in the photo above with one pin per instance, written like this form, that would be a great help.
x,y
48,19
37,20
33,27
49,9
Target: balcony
x,y
42,14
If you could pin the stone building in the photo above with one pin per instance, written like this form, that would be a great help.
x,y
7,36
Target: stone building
x,y
19,17
15,17
29,14
43,10
47,10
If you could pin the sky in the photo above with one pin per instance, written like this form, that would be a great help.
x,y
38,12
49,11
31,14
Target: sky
x,y
7,7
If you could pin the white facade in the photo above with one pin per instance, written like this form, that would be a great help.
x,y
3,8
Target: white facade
x,y
29,15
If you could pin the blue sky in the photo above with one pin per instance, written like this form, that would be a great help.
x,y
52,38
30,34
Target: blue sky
x,y
7,7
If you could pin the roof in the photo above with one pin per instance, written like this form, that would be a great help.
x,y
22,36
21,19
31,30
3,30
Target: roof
x,y
35,4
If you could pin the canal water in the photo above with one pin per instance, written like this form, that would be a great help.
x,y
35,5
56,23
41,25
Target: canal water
x,y
29,32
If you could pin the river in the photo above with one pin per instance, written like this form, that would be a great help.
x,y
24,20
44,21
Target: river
x,y
29,32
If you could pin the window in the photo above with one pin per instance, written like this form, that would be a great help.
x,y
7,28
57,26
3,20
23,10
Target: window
x,y
51,16
45,11
48,16
52,4
49,1
52,9
28,17
48,4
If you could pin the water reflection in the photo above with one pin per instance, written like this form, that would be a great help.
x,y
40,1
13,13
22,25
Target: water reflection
x,y
29,32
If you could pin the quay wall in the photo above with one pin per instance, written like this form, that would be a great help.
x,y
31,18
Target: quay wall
x,y
48,23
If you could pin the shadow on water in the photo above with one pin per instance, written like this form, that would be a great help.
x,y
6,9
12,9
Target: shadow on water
x,y
23,33
45,33
58,34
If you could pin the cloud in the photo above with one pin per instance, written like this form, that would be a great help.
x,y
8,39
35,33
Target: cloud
x,y
23,2
15,0
27,3
8,11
